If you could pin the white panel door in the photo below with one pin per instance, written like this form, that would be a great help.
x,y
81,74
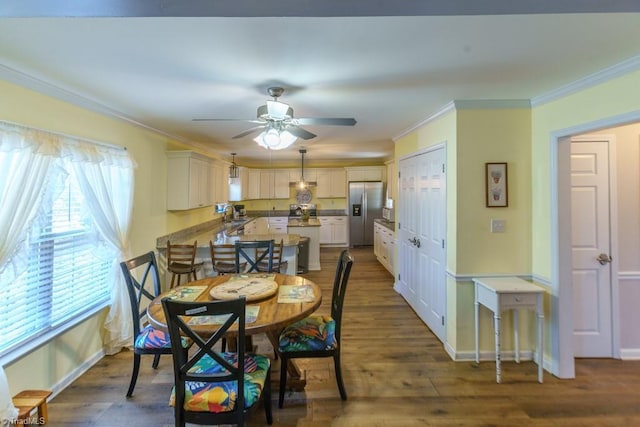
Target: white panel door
x,y
431,235
592,336
407,218
422,228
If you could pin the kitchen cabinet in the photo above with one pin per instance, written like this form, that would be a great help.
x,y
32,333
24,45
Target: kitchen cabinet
x,y
392,180
333,230
253,186
188,180
277,224
274,184
384,246
368,173
220,182
268,184
332,183
310,175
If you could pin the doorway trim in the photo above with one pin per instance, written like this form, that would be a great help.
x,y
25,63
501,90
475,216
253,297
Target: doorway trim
x,y
563,364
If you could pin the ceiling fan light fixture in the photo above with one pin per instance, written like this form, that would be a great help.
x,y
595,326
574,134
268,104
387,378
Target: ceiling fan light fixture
x,y
273,139
279,110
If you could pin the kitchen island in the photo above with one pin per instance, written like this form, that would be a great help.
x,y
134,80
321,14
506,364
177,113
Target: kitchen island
x,y
309,228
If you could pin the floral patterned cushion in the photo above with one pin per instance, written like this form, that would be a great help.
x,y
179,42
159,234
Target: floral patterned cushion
x,y
221,396
309,334
150,338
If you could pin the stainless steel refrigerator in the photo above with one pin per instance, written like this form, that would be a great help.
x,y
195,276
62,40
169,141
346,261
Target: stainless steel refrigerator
x,y
365,205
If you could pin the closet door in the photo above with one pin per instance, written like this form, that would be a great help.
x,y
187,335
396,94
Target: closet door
x,y
421,237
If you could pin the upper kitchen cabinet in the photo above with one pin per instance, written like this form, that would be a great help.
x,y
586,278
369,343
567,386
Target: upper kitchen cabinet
x,y
274,184
366,173
220,181
189,180
253,187
332,183
268,184
310,175
392,180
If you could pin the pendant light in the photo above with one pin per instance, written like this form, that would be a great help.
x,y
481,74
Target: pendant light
x,y
302,185
234,170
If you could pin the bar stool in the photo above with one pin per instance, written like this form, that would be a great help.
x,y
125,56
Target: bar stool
x,y
223,259
181,260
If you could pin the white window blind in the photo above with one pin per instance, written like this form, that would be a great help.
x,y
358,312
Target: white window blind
x,y
67,274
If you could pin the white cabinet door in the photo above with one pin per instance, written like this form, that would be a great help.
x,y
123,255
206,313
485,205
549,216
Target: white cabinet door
x,y
392,180
281,185
253,189
220,182
325,230
332,183
366,173
339,230
266,184
188,181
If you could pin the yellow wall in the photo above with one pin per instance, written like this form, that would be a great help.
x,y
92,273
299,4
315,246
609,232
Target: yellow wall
x,y
493,135
474,137
55,361
612,98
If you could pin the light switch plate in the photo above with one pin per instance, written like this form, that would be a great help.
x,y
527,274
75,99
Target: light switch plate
x,y
497,225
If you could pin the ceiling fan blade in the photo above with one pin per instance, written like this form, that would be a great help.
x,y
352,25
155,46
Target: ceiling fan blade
x,y
249,131
299,132
329,121
227,120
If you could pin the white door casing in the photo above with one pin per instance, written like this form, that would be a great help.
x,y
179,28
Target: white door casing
x,y
590,231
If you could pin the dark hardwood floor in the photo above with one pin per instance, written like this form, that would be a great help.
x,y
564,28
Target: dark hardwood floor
x,y
395,371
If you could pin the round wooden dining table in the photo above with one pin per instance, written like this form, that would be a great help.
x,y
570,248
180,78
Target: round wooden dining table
x,y
274,311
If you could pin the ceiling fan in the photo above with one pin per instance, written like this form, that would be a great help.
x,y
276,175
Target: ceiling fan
x,y
276,116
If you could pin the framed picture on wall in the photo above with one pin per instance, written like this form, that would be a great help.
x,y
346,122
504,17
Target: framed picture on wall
x,y
496,185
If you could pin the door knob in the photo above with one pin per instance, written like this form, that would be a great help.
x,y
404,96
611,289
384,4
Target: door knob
x,y
418,242
603,259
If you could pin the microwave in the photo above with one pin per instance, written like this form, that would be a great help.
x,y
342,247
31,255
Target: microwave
x,y
388,214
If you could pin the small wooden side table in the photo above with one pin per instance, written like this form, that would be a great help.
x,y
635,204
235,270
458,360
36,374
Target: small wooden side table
x,y
28,400
509,293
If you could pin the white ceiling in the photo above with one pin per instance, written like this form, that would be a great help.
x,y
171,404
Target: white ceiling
x,y
388,72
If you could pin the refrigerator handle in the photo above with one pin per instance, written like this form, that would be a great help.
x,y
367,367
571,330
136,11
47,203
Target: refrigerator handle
x,y
364,206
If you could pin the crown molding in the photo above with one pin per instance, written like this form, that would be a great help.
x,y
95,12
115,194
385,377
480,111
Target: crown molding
x,y
628,66
45,88
467,104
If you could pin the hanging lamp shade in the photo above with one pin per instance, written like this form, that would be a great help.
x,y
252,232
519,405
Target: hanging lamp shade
x,y
302,184
234,170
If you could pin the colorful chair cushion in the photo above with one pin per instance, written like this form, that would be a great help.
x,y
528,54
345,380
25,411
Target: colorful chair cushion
x,y
221,396
150,338
309,334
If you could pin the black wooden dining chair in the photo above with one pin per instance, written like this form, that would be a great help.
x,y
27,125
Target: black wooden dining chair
x,y
317,336
212,387
253,253
278,266
147,340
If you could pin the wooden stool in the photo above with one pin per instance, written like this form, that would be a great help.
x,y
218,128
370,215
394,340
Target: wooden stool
x,y
28,400
181,260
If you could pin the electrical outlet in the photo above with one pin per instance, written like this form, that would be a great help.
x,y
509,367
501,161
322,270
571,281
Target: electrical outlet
x,y
497,225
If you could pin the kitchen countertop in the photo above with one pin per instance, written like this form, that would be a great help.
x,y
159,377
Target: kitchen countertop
x,y
214,230
388,224
222,233
312,222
